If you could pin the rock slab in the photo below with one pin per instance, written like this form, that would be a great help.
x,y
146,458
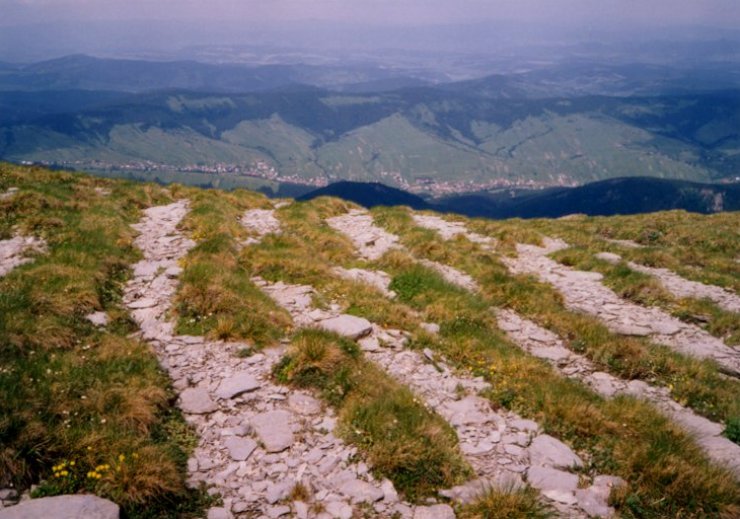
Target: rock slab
x,y
63,507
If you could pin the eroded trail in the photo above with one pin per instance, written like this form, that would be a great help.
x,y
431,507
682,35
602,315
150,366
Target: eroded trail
x,y
502,447
14,252
260,222
546,345
257,440
584,292
681,287
449,230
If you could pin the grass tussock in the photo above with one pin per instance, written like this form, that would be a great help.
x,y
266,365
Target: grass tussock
x,y
668,475
75,397
403,440
507,504
216,297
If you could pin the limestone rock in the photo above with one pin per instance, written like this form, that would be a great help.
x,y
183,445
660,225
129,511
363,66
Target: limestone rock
x,y
235,385
360,491
546,478
273,430
196,400
63,507
548,451
98,318
240,448
304,404
348,326
434,512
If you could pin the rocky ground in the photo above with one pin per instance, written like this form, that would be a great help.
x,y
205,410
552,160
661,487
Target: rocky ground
x,y
503,448
546,345
258,441
584,292
679,286
15,251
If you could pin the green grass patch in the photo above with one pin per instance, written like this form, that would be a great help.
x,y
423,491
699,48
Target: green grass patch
x,y
216,297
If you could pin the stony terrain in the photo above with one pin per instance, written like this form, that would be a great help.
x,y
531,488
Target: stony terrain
x,y
681,287
15,251
501,447
584,292
544,344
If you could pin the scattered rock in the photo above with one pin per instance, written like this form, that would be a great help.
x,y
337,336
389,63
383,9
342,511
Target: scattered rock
x,y
235,385
548,451
546,478
273,430
196,400
240,448
98,318
348,326
434,512
63,507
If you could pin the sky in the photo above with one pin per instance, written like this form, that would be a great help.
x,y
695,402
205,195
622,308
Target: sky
x,y
721,13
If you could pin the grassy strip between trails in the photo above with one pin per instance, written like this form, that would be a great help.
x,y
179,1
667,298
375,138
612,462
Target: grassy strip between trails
x,y
402,439
668,475
216,296
692,382
83,409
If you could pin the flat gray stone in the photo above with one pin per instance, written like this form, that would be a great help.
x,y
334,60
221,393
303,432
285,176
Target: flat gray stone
x,y
196,400
609,257
273,430
593,502
546,478
434,512
304,404
218,512
240,448
548,451
339,509
63,507
98,318
348,326
359,491
235,385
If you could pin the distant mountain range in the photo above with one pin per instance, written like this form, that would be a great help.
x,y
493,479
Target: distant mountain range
x,y
542,128
605,198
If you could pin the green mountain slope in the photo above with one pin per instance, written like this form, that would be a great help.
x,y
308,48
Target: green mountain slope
x,y
423,138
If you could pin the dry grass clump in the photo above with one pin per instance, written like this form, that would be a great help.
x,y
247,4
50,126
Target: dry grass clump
x,y
507,503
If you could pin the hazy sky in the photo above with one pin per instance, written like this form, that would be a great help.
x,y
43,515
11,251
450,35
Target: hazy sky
x,y
725,13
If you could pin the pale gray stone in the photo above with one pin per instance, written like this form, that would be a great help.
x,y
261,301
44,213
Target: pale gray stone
x,y
274,430
359,491
304,404
235,385
548,451
240,448
63,507
546,478
339,510
348,326
98,318
278,511
609,257
434,512
196,400
592,502
218,512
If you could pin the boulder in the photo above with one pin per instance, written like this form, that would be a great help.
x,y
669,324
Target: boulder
x,y
546,478
63,507
235,385
273,430
348,326
548,451
196,400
